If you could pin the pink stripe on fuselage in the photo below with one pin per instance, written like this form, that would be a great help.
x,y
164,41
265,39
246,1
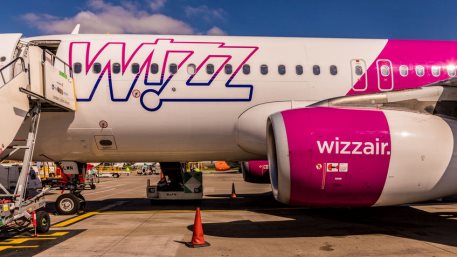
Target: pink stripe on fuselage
x,y
411,54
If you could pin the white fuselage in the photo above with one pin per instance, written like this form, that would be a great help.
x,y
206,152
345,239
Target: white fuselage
x,y
197,121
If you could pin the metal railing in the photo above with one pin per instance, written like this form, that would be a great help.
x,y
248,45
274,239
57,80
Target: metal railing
x,y
12,73
51,57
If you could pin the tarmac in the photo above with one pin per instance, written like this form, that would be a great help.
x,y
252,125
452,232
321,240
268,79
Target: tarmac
x,y
120,222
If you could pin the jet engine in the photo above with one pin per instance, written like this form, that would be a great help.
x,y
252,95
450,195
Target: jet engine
x,y
255,171
343,157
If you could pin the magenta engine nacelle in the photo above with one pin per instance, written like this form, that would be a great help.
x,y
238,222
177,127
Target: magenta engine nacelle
x,y
360,157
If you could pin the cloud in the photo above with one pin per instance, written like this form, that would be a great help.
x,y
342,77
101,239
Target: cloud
x,y
205,12
215,31
157,4
103,17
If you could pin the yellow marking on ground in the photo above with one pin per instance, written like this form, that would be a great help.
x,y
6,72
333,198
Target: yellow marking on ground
x,y
6,247
18,241
47,235
74,220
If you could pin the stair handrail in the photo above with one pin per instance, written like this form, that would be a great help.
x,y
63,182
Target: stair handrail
x,y
53,60
14,74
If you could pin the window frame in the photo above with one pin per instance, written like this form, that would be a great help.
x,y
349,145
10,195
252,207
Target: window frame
x,y
333,69
228,69
135,66
403,70
246,69
191,66
299,69
316,70
171,67
436,68
418,68
79,70
94,69
264,69
448,70
154,71
210,69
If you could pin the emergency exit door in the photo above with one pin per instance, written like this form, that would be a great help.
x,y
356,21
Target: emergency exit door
x,y
385,75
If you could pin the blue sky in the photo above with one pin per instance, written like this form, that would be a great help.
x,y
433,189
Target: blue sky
x,y
401,19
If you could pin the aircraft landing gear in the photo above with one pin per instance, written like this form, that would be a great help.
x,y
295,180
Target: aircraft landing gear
x,y
70,203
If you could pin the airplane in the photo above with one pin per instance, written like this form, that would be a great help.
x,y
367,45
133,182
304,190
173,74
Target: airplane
x,y
342,122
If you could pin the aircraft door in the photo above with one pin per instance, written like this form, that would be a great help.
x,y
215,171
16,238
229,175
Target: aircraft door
x,y
359,75
385,75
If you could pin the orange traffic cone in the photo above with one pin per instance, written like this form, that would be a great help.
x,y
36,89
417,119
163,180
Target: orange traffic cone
x,y
198,238
233,195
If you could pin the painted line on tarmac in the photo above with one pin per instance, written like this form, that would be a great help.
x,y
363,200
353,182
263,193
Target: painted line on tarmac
x,y
73,220
6,247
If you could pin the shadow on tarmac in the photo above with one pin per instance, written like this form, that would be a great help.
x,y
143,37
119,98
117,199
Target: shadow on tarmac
x,y
399,221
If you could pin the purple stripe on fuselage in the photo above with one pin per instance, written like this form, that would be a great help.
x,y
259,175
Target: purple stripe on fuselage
x,y
359,178
411,54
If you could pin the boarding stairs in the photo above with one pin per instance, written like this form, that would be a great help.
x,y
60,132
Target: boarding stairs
x,y
33,82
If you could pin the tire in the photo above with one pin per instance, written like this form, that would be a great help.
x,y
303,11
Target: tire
x,y
68,204
82,203
116,175
43,222
93,186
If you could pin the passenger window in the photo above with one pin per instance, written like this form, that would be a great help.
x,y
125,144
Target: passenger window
x,y
135,68
264,69
316,70
404,70
77,67
436,71
97,68
385,70
281,69
191,69
451,70
420,70
210,69
358,70
116,68
154,68
299,69
228,69
173,68
333,70
246,69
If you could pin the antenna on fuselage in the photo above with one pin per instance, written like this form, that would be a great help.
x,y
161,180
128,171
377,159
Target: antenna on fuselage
x,y
76,29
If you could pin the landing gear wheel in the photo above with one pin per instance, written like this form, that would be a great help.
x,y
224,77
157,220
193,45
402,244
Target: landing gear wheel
x,y
68,204
82,203
43,222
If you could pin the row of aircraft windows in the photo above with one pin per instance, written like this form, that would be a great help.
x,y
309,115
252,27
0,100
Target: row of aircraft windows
x,y
264,70
419,70
191,69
